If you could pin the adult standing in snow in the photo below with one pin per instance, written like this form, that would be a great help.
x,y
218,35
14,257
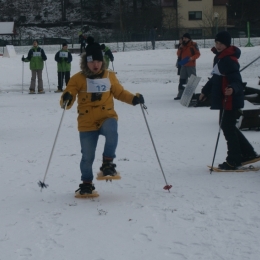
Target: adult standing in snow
x,y
108,56
95,88
188,52
226,89
82,41
36,56
63,59
153,36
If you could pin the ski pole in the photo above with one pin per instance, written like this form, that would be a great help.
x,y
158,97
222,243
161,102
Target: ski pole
x,y
167,186
22,75
220,124
42,183
47,76
250,63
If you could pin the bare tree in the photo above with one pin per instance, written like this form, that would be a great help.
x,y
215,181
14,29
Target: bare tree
x,y
211,21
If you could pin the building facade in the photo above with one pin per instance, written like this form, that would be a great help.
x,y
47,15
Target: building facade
x,y
201,18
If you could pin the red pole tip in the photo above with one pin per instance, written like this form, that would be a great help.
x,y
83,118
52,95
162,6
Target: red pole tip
x,y
167,187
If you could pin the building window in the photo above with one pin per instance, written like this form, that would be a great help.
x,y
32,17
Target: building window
x,y
196,15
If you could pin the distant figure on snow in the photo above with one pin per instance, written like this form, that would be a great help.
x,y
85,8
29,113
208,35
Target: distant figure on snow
x,y
36,56
82,41
153,36
63,59
108,56
188,53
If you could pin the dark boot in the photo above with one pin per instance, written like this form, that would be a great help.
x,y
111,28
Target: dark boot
x,y
108,167
228,166
58,91
180,88
85,188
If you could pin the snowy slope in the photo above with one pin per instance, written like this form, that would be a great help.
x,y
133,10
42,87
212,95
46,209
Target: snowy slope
x,y
204,217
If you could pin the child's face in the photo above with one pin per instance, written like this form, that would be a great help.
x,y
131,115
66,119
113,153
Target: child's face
x,y
220,46
94,66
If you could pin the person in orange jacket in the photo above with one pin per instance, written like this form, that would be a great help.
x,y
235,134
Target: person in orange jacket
x,y
188,53
95,88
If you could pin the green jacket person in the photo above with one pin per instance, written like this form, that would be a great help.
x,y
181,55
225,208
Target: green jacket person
x,y
36,56
64,59
108,56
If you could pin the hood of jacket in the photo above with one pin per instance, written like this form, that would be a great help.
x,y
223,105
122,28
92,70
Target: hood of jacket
x,y
230,51
87,72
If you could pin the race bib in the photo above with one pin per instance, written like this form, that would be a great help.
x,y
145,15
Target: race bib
x,y
37,54
216,70
63,54
98,85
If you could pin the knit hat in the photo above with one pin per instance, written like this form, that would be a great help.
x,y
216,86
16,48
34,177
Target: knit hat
x,y
186,35
103,46
224,37
64,44
94,52
90,40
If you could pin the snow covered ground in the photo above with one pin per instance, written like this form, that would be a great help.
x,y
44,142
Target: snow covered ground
x,y
204,217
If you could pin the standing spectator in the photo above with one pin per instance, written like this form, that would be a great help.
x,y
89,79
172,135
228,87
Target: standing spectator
x,y
36,56
188,53
179,58
82,41
64,59
226,89
108,56
96,113
153,36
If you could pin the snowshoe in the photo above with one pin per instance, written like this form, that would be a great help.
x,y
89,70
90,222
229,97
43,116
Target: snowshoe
x,y
250,159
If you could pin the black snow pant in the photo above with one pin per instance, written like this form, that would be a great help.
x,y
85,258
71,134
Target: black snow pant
x,y
237,145
82,46
61,76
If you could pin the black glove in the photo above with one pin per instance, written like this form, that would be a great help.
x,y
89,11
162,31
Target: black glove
x,y
60,60
23,59
67,97
138,99
112,59
66,59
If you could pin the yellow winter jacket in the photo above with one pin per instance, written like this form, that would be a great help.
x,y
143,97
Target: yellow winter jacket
x,y
92,114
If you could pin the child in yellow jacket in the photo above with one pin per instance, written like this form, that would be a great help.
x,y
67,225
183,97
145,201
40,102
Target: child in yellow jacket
x,y
95,88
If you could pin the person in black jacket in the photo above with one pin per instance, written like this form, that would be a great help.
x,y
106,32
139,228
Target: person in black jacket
x,y
226,89
153,36
82,41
